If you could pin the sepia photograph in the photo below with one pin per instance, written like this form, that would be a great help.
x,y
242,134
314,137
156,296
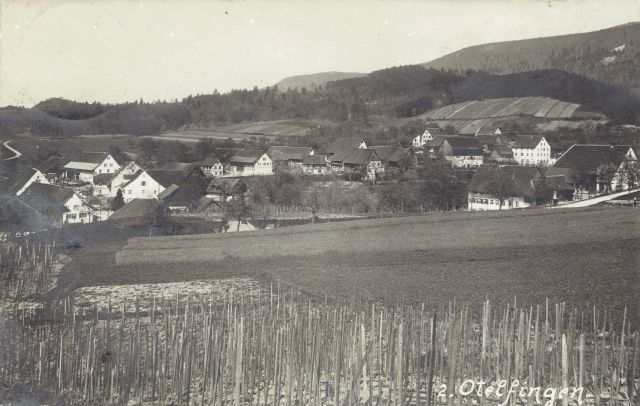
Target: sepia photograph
x,y
297,203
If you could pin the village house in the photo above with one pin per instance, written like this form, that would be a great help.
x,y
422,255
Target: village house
x,y
364,161
185,195
345,144
141,185
249,163
289,158
395,157
84,166
212,166
108,184
490,141
594,169
316,164
224,189
421,140
532,150
52,168
58,205
504,187
501,155
459,151
20,177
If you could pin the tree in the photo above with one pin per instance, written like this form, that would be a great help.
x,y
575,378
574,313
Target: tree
x,y
501,186
630,173
313,199
441,188
606,174
118,201
238,208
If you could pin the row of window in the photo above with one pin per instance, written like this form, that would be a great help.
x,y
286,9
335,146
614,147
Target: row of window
x,y
490,201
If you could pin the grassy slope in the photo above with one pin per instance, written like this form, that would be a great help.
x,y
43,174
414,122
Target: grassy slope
x,y
579,256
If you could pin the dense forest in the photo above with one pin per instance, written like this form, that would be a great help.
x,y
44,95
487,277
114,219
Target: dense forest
x,y
609,55
403,91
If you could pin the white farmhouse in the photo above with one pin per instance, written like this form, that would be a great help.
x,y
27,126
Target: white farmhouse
x,y
249,163
108,184
83,167
532,150
58,205
421,140
141,186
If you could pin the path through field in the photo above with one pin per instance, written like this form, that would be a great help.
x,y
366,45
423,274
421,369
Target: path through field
x,y
16,153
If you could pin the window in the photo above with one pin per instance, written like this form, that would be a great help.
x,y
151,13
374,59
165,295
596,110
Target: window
x,y
83,215
143,183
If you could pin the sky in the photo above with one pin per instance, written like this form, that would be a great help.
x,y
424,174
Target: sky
x,y
115,51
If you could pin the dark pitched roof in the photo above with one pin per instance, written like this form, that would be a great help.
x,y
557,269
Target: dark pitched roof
x,y
136,208
464,146
47,199
18,216
527,141
284,153
343,144
16,176
90,157
166,178
246,156
587,158
53,164
103,178
521,176
226,185
391,153
314,159
210,161
167,192
503,151
360,156
491,140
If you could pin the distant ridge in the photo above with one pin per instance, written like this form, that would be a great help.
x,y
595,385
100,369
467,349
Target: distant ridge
x,y
610,55
315,80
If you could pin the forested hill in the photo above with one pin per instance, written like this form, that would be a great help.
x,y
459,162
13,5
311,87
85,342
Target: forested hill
x,y
404,91
610,55
312,81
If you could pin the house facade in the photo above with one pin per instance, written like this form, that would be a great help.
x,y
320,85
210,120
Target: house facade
x,y
593,169
212,167
289,158
532,150
59,205
250,163
83,167
421,140
316,164
462,152
515,185
141,186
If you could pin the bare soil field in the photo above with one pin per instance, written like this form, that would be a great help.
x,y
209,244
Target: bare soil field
x,y
582,256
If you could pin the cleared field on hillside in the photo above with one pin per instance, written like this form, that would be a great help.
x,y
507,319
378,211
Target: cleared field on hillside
x,y
581,255
468,116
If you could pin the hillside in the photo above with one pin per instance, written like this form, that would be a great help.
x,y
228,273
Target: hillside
x,y
407,90
610,55
468,117
315,80
530,254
